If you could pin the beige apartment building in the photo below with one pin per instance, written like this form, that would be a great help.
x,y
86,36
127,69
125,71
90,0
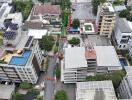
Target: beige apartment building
x,y
105,19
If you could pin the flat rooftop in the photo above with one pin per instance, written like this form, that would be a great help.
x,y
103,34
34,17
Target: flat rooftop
x,y
95,90
123,25
82,11
37,33
74,57
6,91
107,56
97,40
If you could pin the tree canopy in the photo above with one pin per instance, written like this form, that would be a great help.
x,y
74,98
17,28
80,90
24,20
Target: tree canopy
x,y
57,71
118,2
95,4
47,43
74,41
25,85
17,96
115,76
75,23
61,95
65,17
124,13
23,6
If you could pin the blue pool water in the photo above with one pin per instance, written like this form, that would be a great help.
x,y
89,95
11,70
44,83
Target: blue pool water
x,y
123,62
21,61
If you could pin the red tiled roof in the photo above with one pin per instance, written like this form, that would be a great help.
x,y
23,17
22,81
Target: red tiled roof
x,y
44,9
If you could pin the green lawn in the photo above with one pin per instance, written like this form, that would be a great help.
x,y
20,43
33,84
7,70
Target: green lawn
x,y
88,28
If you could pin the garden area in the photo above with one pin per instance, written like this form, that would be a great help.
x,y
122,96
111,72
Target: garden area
x,y
26,91
88,27
74,41
126,13
47,43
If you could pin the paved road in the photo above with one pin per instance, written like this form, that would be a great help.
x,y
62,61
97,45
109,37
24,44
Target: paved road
x,y
61,44
49,90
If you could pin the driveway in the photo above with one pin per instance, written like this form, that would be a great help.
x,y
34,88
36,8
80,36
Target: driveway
x,y
49,84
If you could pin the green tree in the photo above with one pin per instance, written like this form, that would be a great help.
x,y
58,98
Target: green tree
x,y
17,96
23,6
41,1
57,71
55,49
65,17
75,23
74,41
25,85
61,95
115,76
117,2
35,92
95,4
129,17
124,13
39,98
47,43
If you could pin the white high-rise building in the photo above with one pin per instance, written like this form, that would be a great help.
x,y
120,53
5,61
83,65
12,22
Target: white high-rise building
x,y
20,56
105,19
125,87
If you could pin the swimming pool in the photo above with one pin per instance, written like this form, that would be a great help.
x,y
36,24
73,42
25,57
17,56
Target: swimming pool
x,y
21,61
123,62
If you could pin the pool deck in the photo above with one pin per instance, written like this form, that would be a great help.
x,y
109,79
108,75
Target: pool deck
x,y
21,60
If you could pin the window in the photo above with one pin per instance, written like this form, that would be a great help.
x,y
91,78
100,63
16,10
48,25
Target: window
x,y
124,41
124,46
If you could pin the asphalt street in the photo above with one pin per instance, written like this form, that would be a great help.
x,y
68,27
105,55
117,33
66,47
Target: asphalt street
x,y
49,90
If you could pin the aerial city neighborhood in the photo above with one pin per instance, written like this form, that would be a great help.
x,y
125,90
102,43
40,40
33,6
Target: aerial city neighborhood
x,y
65,49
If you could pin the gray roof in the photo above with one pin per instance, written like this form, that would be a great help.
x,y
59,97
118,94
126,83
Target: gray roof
x,y
6,91
122,23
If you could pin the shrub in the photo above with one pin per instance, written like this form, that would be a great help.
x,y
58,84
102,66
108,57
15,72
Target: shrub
x,y
25,85
61,95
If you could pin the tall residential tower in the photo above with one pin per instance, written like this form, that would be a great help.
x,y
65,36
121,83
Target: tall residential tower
x,y
105,19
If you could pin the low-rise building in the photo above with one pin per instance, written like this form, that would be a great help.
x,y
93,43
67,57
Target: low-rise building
x,y
95,90
47,15
80,62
